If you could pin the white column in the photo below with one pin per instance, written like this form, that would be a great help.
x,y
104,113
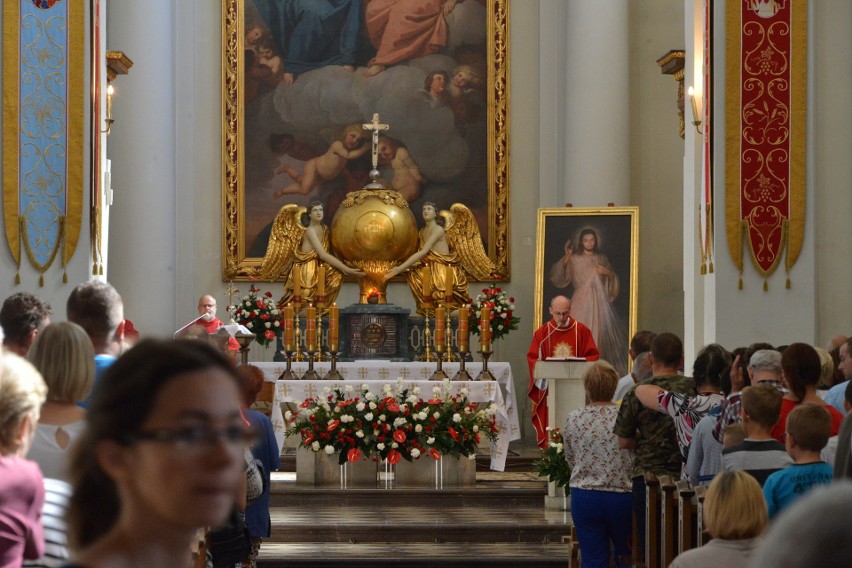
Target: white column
x,y
595,105
142,150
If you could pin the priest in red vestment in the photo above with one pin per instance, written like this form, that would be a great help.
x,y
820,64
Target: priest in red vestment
x,y
560,337
209,321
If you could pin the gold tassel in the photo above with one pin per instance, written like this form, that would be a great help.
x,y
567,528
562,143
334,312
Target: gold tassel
x,y
41,280
740,285
17,278
788,283
766,286
703,269
101,270
711,267
95,269
65,277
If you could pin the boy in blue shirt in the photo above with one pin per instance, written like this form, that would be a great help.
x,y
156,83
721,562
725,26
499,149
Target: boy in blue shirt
x,y
808,429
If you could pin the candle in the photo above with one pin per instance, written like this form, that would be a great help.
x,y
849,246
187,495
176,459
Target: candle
x,y
289,332
448,289
333,327
320,285
485,329
440,314
311,324
427,285
463,332
297,284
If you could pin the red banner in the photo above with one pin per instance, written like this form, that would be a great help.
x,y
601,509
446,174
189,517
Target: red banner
x,y
765,131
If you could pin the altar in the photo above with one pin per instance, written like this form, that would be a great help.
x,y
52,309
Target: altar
x,y
377,373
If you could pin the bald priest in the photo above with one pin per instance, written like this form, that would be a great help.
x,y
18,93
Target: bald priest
x,y
562,337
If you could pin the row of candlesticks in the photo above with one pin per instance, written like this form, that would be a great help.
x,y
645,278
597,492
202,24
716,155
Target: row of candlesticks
x,y
291,340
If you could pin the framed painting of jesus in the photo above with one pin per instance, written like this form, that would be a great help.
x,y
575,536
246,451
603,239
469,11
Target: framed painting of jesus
x,y
300,77
590,256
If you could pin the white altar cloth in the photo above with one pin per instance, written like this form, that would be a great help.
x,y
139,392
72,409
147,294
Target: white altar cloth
x,y
377,373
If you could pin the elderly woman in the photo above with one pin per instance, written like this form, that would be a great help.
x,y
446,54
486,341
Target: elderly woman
x,y
63,354
601,490
22,392
735,515
162,456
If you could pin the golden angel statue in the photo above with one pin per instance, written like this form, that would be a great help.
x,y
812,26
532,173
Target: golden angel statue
x,y
450,250
298,252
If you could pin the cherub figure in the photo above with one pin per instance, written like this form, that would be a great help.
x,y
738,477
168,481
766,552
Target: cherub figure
x,y
294,247
450,245
406,175
351,145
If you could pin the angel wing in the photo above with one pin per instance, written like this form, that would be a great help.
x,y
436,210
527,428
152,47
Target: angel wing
x,y
286,235
463,236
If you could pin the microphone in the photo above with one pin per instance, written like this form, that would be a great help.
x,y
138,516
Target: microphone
x,y
183,327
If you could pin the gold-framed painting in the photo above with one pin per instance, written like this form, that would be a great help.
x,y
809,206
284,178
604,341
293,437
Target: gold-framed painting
x,y
590,255
298,75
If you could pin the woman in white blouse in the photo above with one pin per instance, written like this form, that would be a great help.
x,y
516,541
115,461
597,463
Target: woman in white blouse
x,y
600,473
63,354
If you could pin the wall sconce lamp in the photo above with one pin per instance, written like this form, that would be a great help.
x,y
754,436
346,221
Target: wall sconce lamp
x,y
696,115
109,120
117,63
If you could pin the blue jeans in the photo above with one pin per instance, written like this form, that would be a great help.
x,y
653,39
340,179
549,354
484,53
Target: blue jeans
x,y
602,520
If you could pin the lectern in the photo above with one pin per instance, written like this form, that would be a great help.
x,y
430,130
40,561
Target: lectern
x,y
565,393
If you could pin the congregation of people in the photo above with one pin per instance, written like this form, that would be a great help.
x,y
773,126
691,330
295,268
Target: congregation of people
x,y
117,452
764,427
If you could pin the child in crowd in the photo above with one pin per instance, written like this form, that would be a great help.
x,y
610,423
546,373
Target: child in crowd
x,y
808,428
759,454
733,437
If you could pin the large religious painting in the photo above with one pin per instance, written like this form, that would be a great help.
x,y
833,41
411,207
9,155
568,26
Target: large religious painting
x,y
590,255
302,76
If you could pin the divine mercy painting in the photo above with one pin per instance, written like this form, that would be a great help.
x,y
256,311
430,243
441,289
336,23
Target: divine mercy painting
x,y
307,75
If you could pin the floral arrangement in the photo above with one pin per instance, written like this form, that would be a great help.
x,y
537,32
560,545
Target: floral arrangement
x,y
552,463
259,313
503,318
392,425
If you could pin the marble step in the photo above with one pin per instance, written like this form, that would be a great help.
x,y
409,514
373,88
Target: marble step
x,y
470,555
387,521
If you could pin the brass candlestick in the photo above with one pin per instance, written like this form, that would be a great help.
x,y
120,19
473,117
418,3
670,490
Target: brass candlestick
x,y
333,374
319,330
288,374
244,339
462,374
297,330
439,374
448,334
310,374
485,374
427,335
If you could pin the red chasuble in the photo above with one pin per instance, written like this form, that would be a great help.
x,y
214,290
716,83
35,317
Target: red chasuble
x,y
573,340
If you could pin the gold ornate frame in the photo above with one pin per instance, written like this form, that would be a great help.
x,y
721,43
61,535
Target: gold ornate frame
x,y
236,265
618,233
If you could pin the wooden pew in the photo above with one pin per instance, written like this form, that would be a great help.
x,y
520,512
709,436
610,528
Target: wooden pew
x,y
686,516
652,521
700,535
668,519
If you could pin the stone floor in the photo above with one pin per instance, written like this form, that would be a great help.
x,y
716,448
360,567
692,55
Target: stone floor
x,y
501,521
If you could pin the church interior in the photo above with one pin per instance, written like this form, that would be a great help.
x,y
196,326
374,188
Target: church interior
x,y
621,116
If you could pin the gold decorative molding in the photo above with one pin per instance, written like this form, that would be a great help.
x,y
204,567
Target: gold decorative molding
x,y
117,63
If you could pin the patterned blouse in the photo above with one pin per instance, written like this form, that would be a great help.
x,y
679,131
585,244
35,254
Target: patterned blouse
x,y
591,448
687,411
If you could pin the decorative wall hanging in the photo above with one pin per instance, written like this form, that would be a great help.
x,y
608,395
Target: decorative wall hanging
x,y
43,55
765,115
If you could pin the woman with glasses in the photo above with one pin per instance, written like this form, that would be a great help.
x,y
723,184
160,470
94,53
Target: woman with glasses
x,y
162,455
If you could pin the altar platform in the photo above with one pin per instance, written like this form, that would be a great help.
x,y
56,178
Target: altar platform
x,y
377,373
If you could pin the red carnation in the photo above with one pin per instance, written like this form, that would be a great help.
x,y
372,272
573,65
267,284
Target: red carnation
x,y
268,294
269,334
259,304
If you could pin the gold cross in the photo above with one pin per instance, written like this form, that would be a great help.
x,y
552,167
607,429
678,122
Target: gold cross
x,y
362,372
404,372
310,390
375,126
383,373
283,390
488,388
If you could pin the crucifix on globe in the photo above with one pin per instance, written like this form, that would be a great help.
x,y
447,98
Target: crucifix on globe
x,y
375,127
